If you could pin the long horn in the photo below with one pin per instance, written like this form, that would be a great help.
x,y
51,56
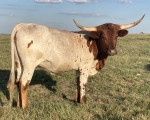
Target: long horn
x,y
85,28
126,26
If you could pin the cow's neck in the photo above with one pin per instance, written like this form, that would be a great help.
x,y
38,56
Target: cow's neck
x,y
101,56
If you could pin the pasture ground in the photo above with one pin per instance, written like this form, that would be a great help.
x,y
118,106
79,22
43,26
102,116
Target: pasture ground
x,y
120,91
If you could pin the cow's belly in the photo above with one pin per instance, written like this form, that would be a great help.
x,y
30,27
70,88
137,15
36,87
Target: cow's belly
x,y
58,67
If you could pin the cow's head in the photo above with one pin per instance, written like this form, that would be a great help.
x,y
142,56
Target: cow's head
x,y
107,34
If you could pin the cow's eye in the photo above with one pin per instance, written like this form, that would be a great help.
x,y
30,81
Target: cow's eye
x,y
103,38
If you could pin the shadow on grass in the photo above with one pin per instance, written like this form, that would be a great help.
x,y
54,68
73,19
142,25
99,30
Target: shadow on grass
x,y
147,67
42,77
4,76
65,98
39,77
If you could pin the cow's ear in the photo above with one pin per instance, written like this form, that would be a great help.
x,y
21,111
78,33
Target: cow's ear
x,y
122,33
94,34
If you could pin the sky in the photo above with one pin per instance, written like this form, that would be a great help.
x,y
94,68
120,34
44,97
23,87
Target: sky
x,y
60,13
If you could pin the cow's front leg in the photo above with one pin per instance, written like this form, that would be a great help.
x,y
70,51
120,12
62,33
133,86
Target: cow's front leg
x,y
77,97
81,86
83,82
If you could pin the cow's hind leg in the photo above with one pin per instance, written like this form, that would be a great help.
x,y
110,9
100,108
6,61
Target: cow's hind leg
x,y
22,96
11,82
10,86
23,85
19,70
19,74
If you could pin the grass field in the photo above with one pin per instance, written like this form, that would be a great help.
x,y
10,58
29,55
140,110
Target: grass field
x,y
120,91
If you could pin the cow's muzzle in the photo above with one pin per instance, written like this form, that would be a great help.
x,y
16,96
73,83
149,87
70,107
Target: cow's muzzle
x,y
112,52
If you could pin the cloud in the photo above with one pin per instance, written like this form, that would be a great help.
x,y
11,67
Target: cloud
x,y
60,1
7,15
32,10
11,5
82,1
125,1
78,1
84,14
48,1
119,18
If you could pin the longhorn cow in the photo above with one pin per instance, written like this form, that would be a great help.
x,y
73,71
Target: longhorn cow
x,y
57,51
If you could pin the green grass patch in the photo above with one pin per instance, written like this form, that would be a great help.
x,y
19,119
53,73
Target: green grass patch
x,y
120,91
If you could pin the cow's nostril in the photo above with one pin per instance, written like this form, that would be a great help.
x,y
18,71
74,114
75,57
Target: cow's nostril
x,y
112,52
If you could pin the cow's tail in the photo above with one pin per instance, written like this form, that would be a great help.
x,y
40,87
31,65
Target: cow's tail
x,y
10,84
